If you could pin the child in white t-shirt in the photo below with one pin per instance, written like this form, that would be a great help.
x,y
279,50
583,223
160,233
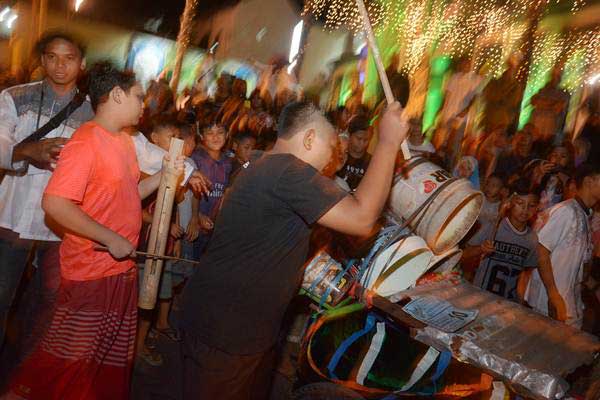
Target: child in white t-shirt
x,y
565,246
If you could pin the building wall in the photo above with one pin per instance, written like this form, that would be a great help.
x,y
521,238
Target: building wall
x,y
322,48
276,17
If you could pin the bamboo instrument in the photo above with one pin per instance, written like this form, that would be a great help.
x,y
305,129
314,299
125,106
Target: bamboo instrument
x,y
385,83
161,223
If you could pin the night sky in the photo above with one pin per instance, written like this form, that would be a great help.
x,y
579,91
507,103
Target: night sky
x,y
136,13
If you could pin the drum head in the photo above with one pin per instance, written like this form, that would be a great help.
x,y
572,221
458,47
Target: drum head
x,y
398,267
445,261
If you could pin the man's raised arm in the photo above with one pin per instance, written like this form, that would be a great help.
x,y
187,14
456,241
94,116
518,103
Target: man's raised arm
x,y
356,215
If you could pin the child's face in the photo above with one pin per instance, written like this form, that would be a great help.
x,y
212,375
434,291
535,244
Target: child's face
x,y
189,145
162,137
523,208
358,143
244,148
492,187
523,144
214,138
559,156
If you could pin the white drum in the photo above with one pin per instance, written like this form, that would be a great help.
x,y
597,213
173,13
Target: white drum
x,y
446,261
398,267
454,207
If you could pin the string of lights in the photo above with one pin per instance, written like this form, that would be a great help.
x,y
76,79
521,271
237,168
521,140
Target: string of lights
x,y
488,31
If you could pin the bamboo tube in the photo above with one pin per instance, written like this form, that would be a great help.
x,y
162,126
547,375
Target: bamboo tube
x,y
161,223
385,83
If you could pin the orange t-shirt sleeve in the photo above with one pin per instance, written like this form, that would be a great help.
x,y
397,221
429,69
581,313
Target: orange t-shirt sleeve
x,y
73,170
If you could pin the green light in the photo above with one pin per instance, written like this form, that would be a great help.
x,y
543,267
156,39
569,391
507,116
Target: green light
x,y
435,93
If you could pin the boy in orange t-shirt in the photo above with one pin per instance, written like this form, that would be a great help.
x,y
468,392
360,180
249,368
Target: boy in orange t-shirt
x,y
94,197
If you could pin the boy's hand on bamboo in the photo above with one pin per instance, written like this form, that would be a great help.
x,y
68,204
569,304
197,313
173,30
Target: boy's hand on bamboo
x,y
176,231
193,229
119,247
179,164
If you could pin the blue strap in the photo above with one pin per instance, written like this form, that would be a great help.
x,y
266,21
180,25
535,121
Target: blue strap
x,y
321,275
382,237
337,356
442,365
335,282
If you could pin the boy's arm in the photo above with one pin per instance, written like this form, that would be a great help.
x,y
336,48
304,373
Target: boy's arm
x,y
483,250
522,284
70,216
147,186
557,308
150,158
146,216
193,228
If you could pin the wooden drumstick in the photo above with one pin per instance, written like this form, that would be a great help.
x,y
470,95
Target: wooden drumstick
x,y
385,83
155,256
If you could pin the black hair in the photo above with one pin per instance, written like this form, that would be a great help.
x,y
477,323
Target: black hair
x,y
187,115
294,116
590,168
567,145
240,137
212,126
49,37
522,187
358,123
187,131
165,121
496,176
103,77
266,139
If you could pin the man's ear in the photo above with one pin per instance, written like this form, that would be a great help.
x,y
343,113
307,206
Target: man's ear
x,y
153,137
83,64
309,139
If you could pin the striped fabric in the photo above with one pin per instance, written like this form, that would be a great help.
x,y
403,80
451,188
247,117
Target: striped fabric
x,y
87,351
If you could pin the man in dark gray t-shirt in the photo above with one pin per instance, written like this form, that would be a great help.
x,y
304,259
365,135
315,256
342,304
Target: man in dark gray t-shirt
x,y
233,305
